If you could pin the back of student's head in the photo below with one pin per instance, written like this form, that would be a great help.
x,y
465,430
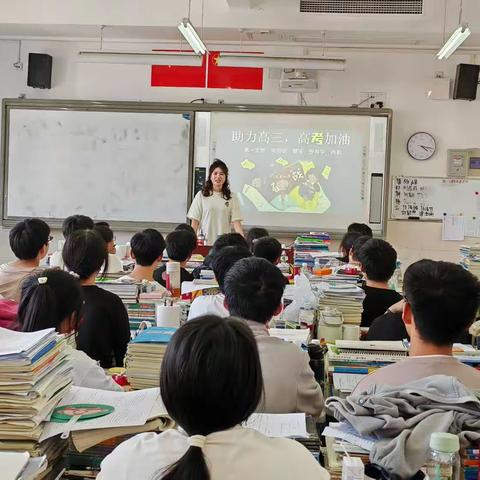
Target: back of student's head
x,y
346,244
105,232
147,246
187,227
253,289
28,237
224,261
357,245
268,248
361,228
76,222
378,259
211,381
254,234
225,240
180,245
444,299
102,224
49,298
84,253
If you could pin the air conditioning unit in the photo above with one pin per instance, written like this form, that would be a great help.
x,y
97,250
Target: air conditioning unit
x,y
298,81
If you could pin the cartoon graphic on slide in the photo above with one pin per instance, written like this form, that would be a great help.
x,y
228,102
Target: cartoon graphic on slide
x,y
291,188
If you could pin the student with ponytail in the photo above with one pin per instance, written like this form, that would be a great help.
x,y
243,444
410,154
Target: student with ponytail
x,y
53,299
211,382
104,331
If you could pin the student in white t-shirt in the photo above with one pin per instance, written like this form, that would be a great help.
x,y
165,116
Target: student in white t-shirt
x,y
114,263
216,209
221,264
147,251
53,299
210,392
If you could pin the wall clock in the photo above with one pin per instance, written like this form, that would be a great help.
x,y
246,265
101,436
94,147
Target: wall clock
x,y
421,146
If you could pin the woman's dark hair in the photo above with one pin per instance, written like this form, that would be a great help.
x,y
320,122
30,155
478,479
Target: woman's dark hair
x,y
207,189
47,303
254,234
84,253
211,380
346,244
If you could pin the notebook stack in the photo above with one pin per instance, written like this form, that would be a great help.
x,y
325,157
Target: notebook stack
x,y
138,313
470,258
144,357
308,246
128,292
34,376
348,362
345,296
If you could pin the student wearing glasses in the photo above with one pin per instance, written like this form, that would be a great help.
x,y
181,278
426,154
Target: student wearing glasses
x,y
29,241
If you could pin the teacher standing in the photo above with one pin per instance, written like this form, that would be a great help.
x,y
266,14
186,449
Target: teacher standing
x,y
215,209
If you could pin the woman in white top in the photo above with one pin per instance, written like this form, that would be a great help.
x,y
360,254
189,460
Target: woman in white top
x,y
215,209
53,299
211,382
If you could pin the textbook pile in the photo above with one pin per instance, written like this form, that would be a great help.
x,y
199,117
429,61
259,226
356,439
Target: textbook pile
x,y
128,292
470,258
345,297
34,376
144,357
309,246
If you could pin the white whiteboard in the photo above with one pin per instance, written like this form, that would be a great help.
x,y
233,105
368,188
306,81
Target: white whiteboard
x,y
110,165
304,171
430,198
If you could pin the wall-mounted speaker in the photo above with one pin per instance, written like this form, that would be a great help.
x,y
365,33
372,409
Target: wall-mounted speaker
x,y
466,82
39,70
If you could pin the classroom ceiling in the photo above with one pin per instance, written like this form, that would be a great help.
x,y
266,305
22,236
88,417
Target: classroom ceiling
x,y
236,22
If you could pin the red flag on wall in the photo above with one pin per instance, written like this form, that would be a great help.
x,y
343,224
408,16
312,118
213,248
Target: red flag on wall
x,y
208,75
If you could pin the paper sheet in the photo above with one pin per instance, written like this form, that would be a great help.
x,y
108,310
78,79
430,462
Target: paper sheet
x,y
453,227
297,336
346,382
12,464
347,433
279,425
472,226
131,409
12,342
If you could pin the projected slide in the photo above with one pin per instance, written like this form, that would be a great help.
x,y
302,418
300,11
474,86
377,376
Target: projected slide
x,y
291,170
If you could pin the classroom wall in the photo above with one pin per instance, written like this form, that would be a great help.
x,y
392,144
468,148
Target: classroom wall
x,y
404,77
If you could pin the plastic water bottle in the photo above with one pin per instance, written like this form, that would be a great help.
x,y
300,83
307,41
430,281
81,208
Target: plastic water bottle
x,y
444,460
201,239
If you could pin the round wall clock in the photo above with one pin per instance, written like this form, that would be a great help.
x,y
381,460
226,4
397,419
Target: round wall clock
x,y
421,146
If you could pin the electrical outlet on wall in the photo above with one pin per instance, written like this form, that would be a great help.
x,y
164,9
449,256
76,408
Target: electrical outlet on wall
x,y
367,99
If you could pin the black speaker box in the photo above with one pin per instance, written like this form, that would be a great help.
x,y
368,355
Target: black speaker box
x,y
466,82
39,70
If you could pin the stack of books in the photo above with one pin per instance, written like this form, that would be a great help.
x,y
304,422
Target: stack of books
x,y
470,258
138,313
128,292
144,357
309,246
345,296
34,376
349,361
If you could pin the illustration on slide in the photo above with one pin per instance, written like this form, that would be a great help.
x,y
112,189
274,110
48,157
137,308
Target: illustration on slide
x,y
290,188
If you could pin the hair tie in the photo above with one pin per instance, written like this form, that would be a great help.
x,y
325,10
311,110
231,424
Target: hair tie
x,y
73,274
42,280
197,441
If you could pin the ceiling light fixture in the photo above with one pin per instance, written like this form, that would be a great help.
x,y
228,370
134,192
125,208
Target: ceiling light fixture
x,y
141,58
457,38
192,37
259,61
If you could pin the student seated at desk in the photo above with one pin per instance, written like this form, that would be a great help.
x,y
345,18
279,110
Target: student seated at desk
x,y
356,246
186,227
254,234
346,246
29,241
270,249
147,252
114,263
104,331
378,260
210,405
361,228
180,247
215,304
253,291
53,299
441,301
225,240
71,224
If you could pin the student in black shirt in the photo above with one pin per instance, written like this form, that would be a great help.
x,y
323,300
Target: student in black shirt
x,y
104,332
180,246
378,260
270,249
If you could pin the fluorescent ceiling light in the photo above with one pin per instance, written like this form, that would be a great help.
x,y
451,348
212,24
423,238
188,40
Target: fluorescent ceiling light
x,y
309,63
457,38
139,58
192,37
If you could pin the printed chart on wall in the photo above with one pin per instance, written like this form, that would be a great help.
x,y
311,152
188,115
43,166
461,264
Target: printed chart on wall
x,y
454,201
300,171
